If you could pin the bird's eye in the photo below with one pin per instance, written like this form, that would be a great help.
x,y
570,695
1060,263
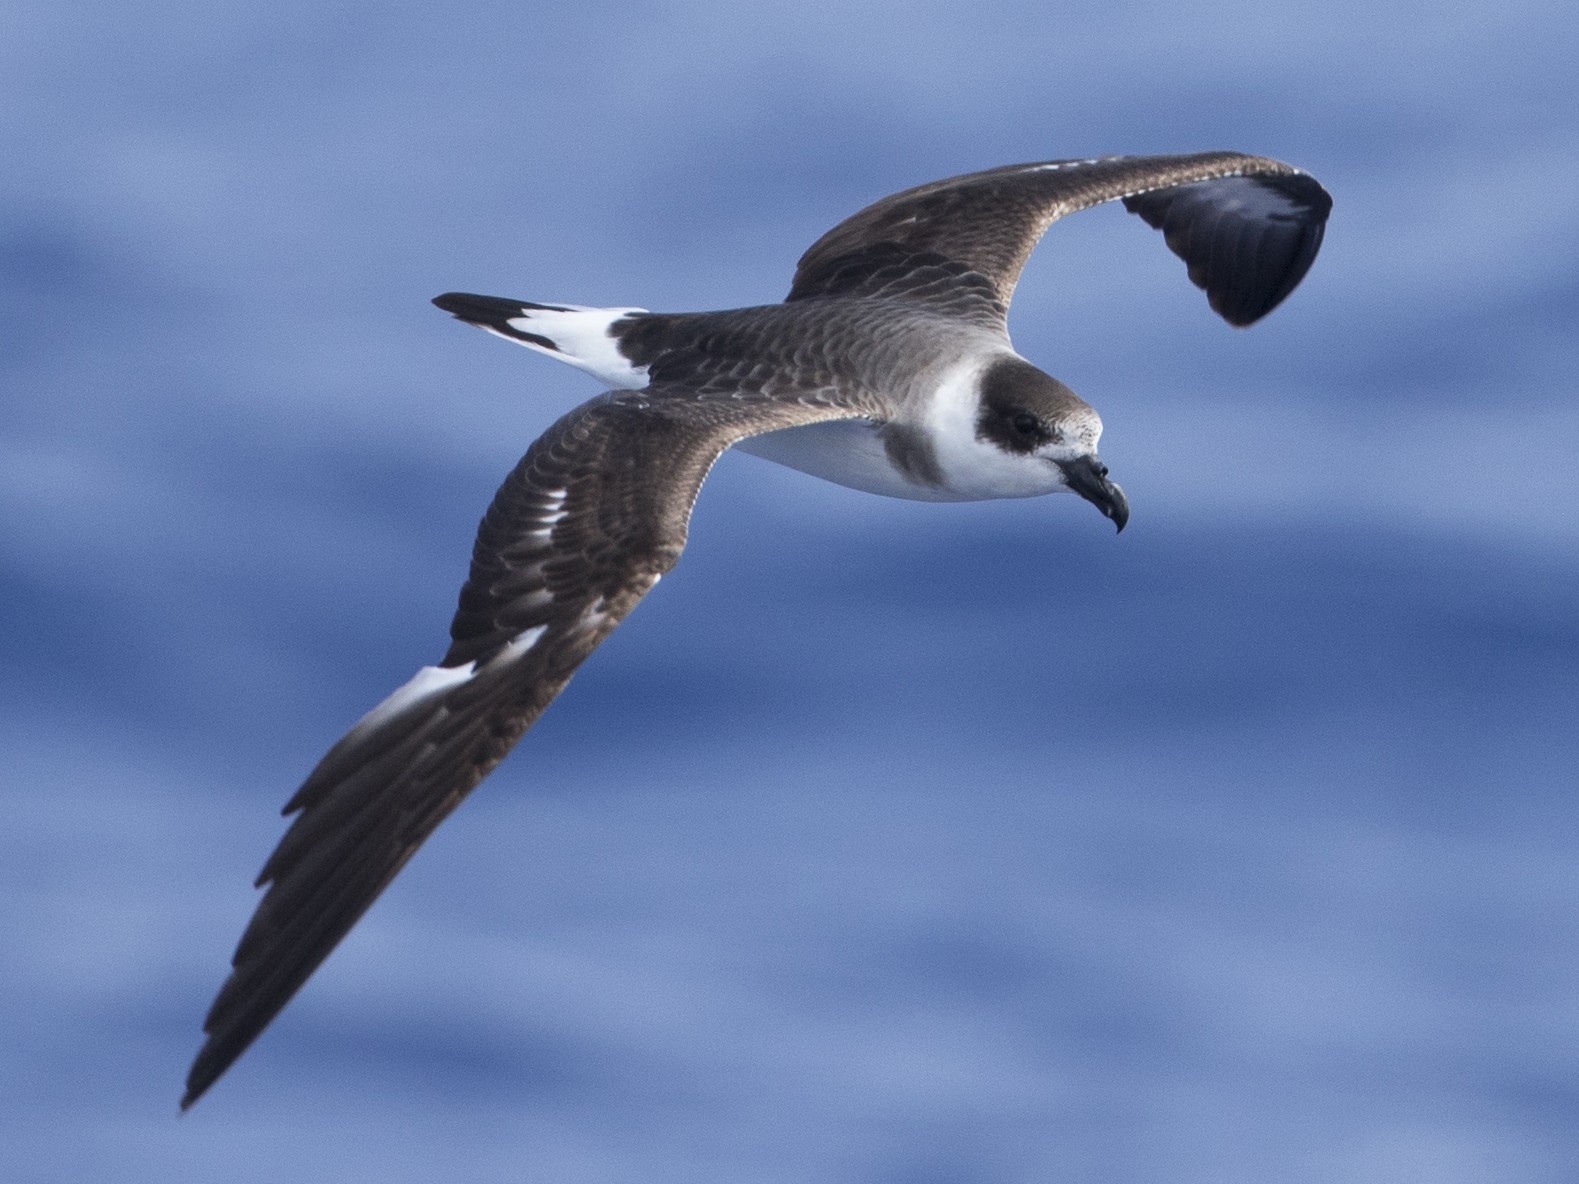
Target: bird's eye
x,y
1026,424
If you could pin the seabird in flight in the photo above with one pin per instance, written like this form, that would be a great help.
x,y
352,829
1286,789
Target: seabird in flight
x,y
887,368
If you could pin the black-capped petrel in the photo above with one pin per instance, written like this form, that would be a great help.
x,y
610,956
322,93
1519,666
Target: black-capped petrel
x,y
887,368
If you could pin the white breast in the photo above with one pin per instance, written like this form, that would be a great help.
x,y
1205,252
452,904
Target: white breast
x,y
848,452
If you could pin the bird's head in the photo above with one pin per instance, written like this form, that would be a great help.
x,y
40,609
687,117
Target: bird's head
x,y
1025,413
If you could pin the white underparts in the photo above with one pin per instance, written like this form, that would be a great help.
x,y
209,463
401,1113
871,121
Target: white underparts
x,y
580,336
848,452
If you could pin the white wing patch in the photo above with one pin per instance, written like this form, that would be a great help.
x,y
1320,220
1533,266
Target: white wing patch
x,y
1246,196
550,512
1066,164
595,615
433,681
427,683
519,645
554,506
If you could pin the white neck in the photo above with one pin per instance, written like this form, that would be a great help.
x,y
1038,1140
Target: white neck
x,y
974,469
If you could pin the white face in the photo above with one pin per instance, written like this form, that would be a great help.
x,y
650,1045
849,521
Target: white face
x,y
977,466
1078,434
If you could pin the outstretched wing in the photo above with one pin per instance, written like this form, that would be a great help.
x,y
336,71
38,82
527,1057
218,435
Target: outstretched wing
x,y
1247,227
594,513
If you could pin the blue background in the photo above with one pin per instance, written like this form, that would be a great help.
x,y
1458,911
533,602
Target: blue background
x,y
887,842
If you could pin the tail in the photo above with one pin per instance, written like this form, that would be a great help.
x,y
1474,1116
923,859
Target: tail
x,y
587,338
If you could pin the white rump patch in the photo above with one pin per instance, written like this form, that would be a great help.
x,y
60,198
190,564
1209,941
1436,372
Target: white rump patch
x,y
580,336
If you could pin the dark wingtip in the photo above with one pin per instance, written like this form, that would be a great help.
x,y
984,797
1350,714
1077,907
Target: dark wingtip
x,y
194,1091
1247,239
206,1069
